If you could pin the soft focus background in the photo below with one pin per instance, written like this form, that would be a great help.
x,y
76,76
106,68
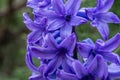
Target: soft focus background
x,y
13,35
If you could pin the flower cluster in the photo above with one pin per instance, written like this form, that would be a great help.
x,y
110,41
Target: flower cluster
x,y
53,41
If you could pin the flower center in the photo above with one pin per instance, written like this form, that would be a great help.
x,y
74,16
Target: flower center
x,y
68,18
88,77
63,50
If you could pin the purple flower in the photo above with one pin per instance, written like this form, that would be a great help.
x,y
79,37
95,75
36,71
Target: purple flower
x,y
100,16
38,28
94,71
58,54
63,16
88,50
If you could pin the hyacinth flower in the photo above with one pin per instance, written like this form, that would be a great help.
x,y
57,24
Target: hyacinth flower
x,y
59,53
99,17
88,49
95,71
38,28
38,3
63,16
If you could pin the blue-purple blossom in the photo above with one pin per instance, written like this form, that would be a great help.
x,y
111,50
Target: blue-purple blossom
x,y
59,53
38,28
88,49
100,16
63,16
93,71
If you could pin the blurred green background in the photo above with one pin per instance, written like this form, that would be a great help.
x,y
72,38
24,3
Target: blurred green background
x,y
13,35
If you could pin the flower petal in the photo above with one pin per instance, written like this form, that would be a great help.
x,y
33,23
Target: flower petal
x,y
56,24
108,17
114,71
103,30
104,5
72,6
66,76
98,70
36,77
75,20
58,6
69,43
50,41
66,30
53,65
112,43
45,53
111,57
84,49
34,36
30,64
79,69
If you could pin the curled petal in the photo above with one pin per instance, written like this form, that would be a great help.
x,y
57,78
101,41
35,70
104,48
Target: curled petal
x,y
30,64
112,43
45,53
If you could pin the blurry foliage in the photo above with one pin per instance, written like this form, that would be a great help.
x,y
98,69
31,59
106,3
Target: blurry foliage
x,y
13,35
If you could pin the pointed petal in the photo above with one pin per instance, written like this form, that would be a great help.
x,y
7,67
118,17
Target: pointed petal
x,y
84,49
36,77
56,24
72,6
75,21
58,6
112,43
98,70
104,6
111,57
69,43
66,30
66,76
50,41
103,30
30,64
45,53
29,23
53,65
109,17
34,36
114,71
79,69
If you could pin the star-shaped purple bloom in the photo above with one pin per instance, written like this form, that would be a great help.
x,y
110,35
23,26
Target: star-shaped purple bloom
x,y
63,16
58,54
88,49
100,16
38,28
97,70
